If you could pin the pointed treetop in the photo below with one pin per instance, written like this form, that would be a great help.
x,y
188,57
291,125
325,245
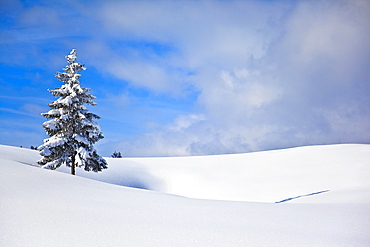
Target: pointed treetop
x,y
72,56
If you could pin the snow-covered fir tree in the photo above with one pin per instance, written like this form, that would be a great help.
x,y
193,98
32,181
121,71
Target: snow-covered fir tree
x,y
116,155
71,127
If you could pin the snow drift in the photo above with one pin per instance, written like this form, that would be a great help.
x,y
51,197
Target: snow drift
x,y
40,207
269,176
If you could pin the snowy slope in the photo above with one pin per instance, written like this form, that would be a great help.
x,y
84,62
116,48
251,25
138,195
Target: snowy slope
x,y
269,176
40,207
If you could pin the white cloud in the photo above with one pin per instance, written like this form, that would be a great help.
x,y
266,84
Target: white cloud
x,y
201,33
268,80
182,123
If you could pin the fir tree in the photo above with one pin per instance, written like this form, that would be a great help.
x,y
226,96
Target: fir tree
x,y
116,155
71,127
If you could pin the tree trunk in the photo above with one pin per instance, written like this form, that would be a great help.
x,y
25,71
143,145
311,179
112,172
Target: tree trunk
x,y
73,166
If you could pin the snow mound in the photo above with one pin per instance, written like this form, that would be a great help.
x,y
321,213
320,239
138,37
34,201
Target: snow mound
x,y
269,176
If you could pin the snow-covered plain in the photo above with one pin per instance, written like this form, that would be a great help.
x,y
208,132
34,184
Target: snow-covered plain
x,y
327,190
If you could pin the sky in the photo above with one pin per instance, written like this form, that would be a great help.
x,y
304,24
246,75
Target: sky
x,y
177,78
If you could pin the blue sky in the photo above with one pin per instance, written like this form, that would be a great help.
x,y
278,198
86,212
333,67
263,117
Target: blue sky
x,y
192,77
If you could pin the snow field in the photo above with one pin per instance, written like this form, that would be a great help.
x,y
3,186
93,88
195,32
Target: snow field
x,y
40,207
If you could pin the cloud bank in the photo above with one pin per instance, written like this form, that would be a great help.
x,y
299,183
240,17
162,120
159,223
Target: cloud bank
x,y
268,74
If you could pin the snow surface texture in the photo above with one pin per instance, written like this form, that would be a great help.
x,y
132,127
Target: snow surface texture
x,y
39,207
